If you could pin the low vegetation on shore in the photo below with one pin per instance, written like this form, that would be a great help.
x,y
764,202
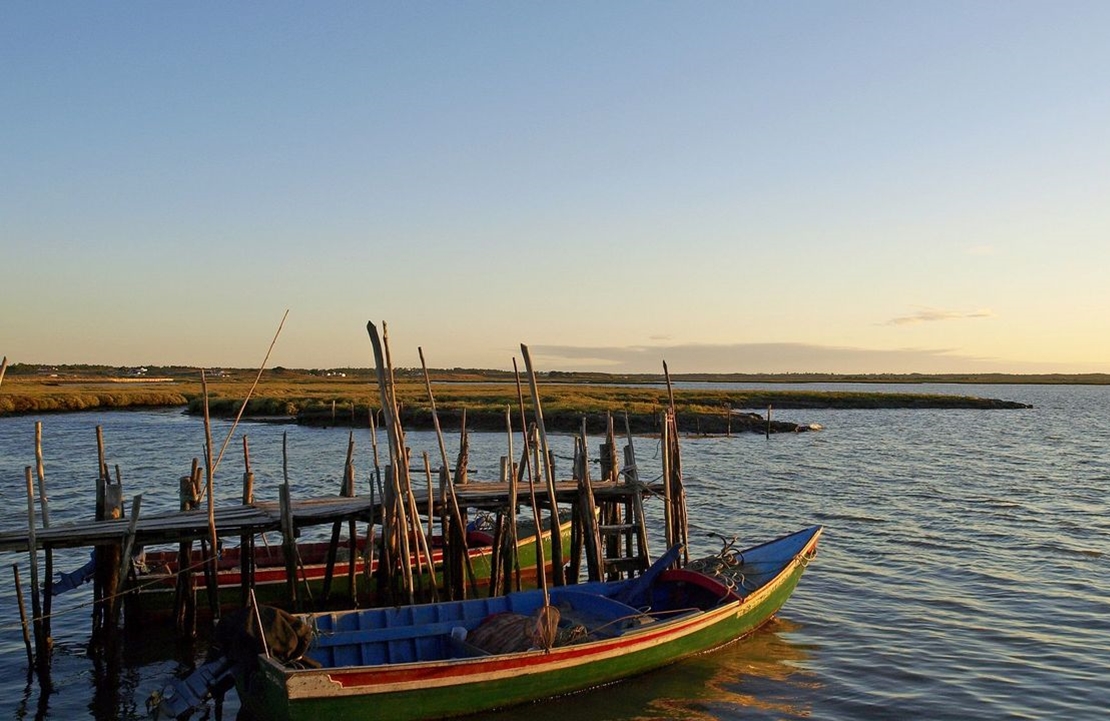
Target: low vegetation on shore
x,y
347,396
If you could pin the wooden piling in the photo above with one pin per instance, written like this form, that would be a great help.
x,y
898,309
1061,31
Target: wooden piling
x,y
211,579
352,526
184,602
125,556
41,649
23,616
394,505
288,533
549,472
48,560
246,540
458,525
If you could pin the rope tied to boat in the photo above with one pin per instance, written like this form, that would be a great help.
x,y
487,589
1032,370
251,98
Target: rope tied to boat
x,y
726,565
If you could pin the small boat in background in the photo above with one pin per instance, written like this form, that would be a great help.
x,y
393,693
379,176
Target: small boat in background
x,y
153,597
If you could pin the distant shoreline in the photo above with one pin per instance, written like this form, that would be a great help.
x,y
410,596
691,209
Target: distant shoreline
x,y
68,373
347,397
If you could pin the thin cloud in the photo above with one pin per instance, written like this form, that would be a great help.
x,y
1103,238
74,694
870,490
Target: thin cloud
x,y
932,315
756,358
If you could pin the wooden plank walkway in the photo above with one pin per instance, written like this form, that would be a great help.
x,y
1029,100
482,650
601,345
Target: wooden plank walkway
x,y
263,516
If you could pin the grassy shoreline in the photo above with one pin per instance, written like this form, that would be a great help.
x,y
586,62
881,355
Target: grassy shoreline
x,y
346,398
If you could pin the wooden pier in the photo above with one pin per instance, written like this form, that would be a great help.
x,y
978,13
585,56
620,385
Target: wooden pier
x,y
606,530
265,516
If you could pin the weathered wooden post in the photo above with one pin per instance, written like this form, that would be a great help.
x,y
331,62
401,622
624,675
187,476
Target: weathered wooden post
x,y
23,619
42,652
549,473
246,540
44,504
210,568
288,530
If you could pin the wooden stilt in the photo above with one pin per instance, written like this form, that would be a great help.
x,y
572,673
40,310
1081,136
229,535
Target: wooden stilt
x,y
549,473
41,651
23,617
397,453
246,540
458,525
213,539
44,505
288,532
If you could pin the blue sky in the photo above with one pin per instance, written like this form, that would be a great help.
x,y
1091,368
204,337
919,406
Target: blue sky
x,y
738,186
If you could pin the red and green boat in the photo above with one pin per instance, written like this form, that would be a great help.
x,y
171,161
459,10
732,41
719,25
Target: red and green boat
x,y
457,658
156,581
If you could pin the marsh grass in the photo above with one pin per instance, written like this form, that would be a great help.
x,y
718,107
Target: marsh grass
x,y
348,400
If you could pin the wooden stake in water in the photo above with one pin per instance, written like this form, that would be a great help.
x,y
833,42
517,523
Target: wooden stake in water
x,y
459,528
549,473
23,616
213,541
36,610
246,540
44,504
393,504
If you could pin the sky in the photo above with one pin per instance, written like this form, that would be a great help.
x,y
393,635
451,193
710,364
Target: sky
x,y
812,186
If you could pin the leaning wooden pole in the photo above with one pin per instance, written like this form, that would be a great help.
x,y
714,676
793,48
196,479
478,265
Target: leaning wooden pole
x,y
246,540
549,473
243,406
209,472
42,653
529,466
456,512
396,455
288,529
48,561
23,618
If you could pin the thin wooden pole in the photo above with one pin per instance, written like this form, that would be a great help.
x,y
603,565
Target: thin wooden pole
x,y
209,472
246,540
668,510
549,474
456,513
3,369
352,529
184,605
246,400
129,544
512,561
44,504
541,562
41,651
632,477
23,613
289,543
396,453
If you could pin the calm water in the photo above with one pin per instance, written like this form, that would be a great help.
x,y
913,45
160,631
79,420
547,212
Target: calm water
x,y
963,572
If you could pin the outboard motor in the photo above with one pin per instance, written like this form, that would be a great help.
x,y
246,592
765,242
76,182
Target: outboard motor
x,y
236,645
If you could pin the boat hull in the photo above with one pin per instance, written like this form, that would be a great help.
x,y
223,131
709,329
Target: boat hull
x,y
465,686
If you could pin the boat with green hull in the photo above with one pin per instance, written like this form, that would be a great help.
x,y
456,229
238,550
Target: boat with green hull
x,y
464,657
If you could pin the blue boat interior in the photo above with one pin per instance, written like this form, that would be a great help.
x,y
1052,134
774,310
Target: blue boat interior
x,y
588,611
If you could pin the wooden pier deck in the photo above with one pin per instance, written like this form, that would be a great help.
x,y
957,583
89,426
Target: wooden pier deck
x,y
264,516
